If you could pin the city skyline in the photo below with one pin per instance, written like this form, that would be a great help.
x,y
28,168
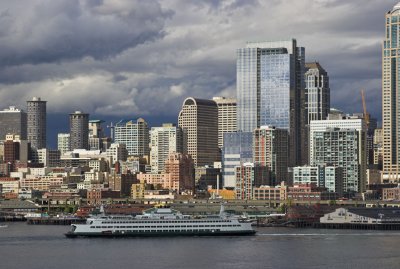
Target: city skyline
x,y
155,66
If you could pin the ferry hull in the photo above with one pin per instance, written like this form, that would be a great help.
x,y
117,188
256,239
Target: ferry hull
x,y
161,234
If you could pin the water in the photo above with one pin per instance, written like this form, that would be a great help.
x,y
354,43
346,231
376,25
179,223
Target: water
x,y
26,246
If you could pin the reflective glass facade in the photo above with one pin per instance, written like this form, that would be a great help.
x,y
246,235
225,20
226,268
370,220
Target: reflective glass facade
x,y
270,90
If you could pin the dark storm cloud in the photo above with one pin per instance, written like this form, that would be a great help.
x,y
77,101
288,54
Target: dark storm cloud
x,y
124,57
45,31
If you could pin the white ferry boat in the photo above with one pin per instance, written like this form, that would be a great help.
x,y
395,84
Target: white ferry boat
x,y
161,222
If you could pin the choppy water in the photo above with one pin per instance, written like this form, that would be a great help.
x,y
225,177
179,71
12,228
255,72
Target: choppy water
x,y
25,246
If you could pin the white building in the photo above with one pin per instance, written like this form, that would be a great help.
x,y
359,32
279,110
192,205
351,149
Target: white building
x,y
164,141
226,117
63,142
134,134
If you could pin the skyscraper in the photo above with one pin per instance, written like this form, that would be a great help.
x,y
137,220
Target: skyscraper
x,y
390,96
164,141
13,121
135,135
36,111
270,90
270,149
79,130
226,117
199,122
317,91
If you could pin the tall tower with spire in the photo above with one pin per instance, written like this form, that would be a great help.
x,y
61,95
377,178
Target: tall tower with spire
x,y
391,96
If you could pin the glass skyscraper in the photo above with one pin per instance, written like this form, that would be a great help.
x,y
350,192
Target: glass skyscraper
x,y
270,90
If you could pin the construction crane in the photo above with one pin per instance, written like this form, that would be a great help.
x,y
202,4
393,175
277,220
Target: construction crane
x,y
366,115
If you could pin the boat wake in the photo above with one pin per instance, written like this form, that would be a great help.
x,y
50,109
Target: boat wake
x,y
329,234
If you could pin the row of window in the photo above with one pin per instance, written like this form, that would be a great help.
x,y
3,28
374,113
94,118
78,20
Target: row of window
x,y
161,227
167,221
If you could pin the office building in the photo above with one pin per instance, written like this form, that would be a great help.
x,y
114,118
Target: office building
x,y
164,141
226,117
270,90
199,122
237,150
270,149
79,130
36,113
317,91
134,134
13,121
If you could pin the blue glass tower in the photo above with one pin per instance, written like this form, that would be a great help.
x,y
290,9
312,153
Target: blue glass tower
x,y
270,91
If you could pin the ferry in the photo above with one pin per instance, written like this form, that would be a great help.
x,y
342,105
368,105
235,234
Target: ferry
x,y
161,222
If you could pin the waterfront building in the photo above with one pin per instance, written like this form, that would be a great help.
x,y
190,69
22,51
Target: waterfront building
x,y
164,141
181,168
270,149
343,148
79,130
36,113
199,122
248,177
134,134
276,193
391,194
227,117
390,96
270,90
309,192
63,142
13,121
237,150
329,177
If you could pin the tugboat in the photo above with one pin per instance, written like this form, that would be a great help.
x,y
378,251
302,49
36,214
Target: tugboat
x,y
161,222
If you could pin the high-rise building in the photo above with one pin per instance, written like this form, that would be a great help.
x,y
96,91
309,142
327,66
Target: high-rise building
x,y
338,121
199,122
270,149
164,141
36,112
117,152
317,91
342,148
63,142
237,150
135,135
181,168
390,97
79,130
270,90
96,135
13,121
248,177
330,177
226,117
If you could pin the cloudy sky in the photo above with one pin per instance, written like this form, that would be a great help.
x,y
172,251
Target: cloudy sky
x,y
133,58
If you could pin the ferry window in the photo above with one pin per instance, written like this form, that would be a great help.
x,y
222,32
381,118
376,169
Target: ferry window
x,y
92,227
98,226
